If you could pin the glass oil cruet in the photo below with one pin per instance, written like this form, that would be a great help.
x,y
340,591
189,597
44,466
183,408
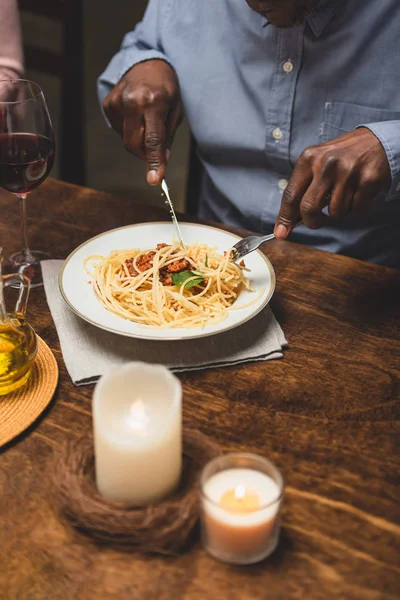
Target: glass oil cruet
x,y
18,344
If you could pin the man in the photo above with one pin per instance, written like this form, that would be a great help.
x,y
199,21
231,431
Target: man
x,y
11,62
293,104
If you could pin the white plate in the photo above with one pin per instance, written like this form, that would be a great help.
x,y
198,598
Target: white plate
x,y
79,294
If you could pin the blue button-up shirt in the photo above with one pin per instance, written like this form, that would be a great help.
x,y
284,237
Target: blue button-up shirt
x,y
257,96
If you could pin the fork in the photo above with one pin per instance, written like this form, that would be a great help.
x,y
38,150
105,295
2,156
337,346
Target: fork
x,y
251,243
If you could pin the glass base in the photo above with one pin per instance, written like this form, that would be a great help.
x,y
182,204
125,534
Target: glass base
x,y
28,265
231,558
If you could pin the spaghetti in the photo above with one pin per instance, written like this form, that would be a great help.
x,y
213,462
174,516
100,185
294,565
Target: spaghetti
x,y
168,286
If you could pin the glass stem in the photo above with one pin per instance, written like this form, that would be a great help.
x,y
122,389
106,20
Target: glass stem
x,y
3,312
26,253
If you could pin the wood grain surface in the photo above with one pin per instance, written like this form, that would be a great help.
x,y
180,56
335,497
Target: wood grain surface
x,y
327,414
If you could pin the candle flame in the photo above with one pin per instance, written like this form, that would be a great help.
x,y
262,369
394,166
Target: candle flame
x,y
240,492
138,417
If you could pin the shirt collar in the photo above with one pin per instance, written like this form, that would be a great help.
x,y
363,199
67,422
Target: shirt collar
x,y
322,16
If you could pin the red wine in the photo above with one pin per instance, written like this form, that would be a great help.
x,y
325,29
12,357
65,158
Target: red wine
x,y
25,161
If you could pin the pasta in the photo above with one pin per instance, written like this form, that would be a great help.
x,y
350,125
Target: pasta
x,y
168,286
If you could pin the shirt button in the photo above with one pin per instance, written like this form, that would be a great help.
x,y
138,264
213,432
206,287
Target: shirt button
x,y
288,66
277,134
282,184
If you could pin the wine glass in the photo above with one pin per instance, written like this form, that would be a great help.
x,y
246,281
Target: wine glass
x,y
26,158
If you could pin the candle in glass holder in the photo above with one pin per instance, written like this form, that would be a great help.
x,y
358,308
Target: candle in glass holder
x,y
241,497
137,422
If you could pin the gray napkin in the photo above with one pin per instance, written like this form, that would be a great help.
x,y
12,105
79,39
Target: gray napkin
x,y
88,351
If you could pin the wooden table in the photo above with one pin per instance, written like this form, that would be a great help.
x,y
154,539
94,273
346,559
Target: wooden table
x,y
327,414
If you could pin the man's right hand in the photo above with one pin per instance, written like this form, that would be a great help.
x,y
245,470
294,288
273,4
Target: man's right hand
x,y
145,108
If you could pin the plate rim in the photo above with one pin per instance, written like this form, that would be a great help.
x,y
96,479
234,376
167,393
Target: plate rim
x,y
176,337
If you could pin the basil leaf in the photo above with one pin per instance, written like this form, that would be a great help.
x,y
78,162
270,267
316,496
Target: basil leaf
x,y
194,282
206,263
180,278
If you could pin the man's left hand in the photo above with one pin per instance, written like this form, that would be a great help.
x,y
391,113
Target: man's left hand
x,y
350,171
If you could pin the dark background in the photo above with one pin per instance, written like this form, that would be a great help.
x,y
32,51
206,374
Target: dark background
x,y
109,166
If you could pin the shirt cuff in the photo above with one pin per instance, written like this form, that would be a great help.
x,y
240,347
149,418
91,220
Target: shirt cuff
x,y
388,133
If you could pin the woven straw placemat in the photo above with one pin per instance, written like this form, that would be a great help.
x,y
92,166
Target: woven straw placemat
x,y
21,408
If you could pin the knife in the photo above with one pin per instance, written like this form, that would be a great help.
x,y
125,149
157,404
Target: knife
x,y
164,188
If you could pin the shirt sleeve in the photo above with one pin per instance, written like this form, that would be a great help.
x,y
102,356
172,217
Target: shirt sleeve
x,y
11,56
141,44
388,133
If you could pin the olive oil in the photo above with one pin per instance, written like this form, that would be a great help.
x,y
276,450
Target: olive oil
x,y
18,346
17,354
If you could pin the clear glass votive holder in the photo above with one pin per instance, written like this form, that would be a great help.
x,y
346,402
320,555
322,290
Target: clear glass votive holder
x,y
241,495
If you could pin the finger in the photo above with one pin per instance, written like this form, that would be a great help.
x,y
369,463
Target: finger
x,y
364,198
290,206
341,201
133,135
155,145
112,113
314,201
174,120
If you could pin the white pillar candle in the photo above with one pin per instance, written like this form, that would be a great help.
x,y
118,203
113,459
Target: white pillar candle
x,y
137,422
241,497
